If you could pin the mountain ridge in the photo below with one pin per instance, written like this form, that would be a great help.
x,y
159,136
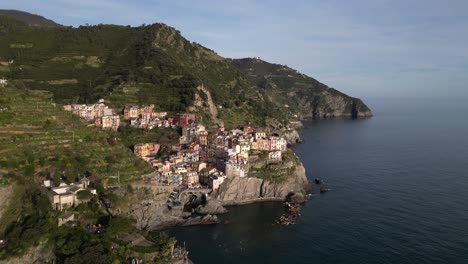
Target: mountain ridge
x,y
301,94
156,64
29,18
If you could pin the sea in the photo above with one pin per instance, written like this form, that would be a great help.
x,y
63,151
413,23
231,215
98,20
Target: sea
x,y
399,194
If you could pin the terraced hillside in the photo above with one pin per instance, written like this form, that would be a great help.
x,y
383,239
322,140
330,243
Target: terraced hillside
x,y
38,138
155,62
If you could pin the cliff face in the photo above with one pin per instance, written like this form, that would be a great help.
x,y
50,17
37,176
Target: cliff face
x,y
300,94
237,190
292,136
333,104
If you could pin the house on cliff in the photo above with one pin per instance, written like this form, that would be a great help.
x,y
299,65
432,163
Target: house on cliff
x,y
66,195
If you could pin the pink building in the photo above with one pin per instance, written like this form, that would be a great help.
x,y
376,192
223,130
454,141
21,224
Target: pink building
x,y
263,144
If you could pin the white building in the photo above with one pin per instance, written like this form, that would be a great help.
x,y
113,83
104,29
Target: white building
x,y
235,169
217,181
274,156
260,135
65,196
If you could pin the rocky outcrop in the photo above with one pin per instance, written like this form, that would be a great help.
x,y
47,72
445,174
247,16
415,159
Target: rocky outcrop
x,y
333,104
301,95
201,220
212,207
159,216
204,102
237,190
292,136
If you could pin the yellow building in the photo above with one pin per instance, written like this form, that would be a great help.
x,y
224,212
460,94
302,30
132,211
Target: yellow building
x,y
131,111
141,150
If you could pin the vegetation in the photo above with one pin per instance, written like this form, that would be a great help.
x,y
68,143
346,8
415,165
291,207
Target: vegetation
x,y
149,64
294,92
274,171
30,19
164,136
38,140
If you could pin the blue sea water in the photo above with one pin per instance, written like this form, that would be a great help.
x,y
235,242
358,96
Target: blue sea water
x,y
399,194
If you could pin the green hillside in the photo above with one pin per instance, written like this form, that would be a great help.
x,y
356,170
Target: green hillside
x,y
299,93
48,65
37,137
154,61
39,140
28,18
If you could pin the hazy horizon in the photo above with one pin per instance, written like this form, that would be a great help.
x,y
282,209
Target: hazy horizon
x,y
367,49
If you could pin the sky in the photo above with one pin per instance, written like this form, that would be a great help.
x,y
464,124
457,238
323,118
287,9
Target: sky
x,y
365,48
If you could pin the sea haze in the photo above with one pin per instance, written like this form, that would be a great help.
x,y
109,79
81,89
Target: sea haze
x,y
399,191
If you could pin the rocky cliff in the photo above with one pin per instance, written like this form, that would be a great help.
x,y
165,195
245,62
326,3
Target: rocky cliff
x,y
334,104
237,190
292,136
153,216
299,94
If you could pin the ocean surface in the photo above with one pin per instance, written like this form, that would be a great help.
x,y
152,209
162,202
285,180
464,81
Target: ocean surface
x,y
399,194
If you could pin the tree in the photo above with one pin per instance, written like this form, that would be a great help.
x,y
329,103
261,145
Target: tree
x,y
120,225
84,195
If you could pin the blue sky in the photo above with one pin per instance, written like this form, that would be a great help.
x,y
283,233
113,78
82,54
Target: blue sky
x,y
366,48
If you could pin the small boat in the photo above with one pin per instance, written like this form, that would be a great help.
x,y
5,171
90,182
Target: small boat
x,y
318,181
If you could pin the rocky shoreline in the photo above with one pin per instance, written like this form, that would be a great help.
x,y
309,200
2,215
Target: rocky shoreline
x,y
247,190
251,201
234,191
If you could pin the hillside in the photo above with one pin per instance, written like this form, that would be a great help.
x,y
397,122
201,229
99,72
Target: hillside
x,y
28,18
146,64
39,140
156,64
299,93
49,65
38,137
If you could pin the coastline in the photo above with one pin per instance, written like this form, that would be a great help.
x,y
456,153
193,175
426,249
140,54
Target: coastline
x,y
235,191
254,200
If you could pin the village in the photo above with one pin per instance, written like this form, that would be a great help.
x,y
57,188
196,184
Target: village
x,y
202,159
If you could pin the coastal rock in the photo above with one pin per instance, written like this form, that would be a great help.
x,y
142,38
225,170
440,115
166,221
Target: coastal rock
x,y
186,215
333,104
297,124
157,216
241,190
212,207
303,96
292,136
297,198
202,220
